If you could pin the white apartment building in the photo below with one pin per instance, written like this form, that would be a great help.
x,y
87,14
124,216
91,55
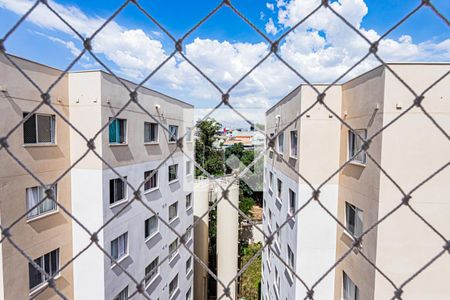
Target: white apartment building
x,y
316,145
135,145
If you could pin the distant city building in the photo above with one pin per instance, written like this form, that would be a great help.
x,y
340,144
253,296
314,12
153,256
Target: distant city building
x,y
135,146
317,145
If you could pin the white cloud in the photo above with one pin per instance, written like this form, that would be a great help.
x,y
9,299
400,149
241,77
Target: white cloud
x,y
321,49
270,6
270,27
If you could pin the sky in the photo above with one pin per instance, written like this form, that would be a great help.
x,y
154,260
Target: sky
x,y
225,47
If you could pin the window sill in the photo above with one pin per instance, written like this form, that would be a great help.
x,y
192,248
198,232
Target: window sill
x,y
41,286
279,201
147,239
172,256
32,145
148,284
151,190
174,219
118,203
118,144
357,163
188,273
41,216
188,208
293,157
172,142
173,293
151,143
291,215
121,259
174,181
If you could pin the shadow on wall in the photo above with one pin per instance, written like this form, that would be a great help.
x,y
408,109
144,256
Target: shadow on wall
x,y
45,153
47,223
122,153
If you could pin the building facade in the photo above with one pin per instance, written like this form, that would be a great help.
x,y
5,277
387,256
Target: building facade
x,y
136,146
317,145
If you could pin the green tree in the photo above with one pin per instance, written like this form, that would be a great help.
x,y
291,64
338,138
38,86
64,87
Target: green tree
x,y
206,155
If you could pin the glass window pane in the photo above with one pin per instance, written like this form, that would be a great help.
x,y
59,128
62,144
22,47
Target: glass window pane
x,y
113,132
29,130
44,129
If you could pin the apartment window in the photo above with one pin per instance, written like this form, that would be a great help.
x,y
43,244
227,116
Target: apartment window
x,y
294,143
188,167
290,258
270,180
292,202
353,219
188,235
123,295
117,131
279,188
34,195
189,294
117,190
189,134
152,182
119,246
150,132
281,143
188,265
173,285
173,173
173,133
350,290
188,200
173,211
151,226
39,128
151,271
173,247
277,227
277,280
48,262
355,143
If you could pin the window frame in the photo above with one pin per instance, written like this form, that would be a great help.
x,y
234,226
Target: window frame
x,y
279,189
292,199
188,167
291,154
173,290
346,278
152,188
150,280
45,213
125,139
189,268
174,253
176,173
357,231
147,234
118,259
42,265
173,138
120,296
189,195
351,149
36,129
280,143
125,192
271,181
173,218
156,140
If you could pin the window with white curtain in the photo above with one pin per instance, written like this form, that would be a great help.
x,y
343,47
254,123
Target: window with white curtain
x,y
119,246
294,144
123,295
117,190
150,132
173,172
355,143
173,133
39,129
34,195
173,211
152,182
350,290
281,143
353,219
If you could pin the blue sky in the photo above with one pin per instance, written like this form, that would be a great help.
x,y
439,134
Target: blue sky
x,y
225,47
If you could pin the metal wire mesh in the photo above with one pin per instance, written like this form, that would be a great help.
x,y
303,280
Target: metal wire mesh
x,y
416,100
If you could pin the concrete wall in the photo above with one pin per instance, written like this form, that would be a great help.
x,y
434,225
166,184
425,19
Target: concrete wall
x,y
42,235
